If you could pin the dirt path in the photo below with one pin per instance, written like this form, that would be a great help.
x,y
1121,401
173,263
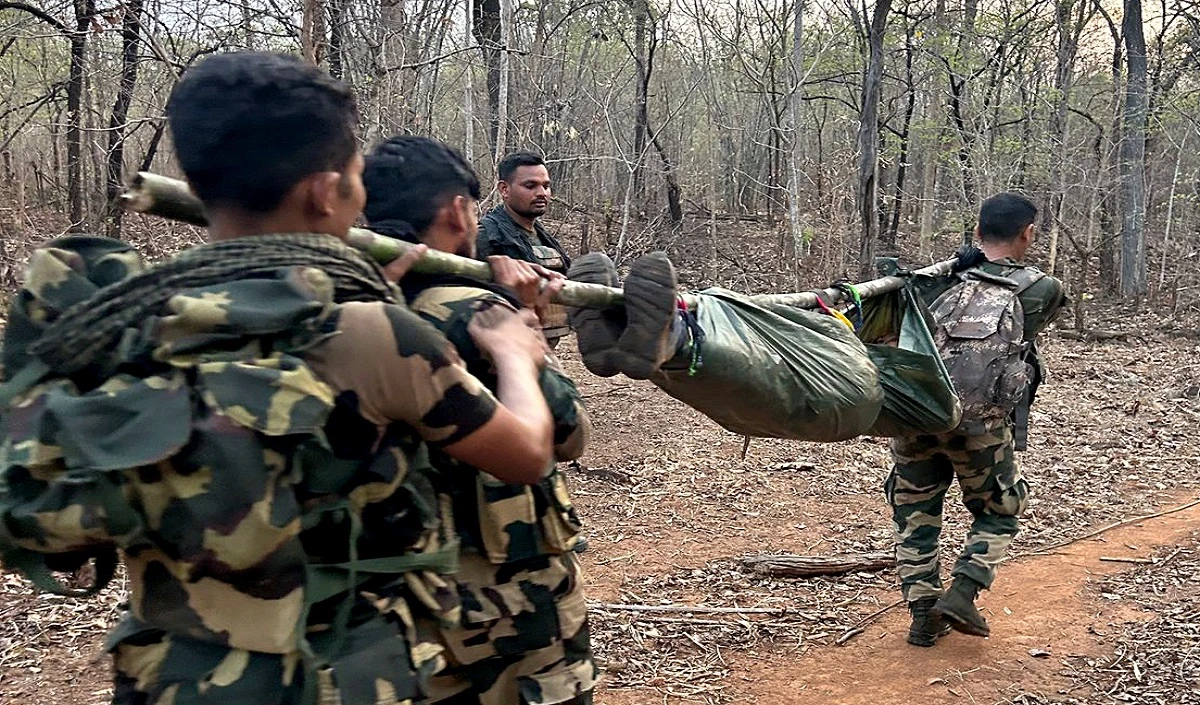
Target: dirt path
x,y
1044,602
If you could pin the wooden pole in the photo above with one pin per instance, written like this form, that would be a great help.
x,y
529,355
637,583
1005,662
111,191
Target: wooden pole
x,y
171,198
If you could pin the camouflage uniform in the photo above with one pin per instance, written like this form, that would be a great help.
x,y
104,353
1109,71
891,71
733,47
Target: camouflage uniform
x,y
523,633
499,234
253,445
980,454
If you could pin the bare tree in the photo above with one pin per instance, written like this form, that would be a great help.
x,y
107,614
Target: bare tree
x,y
1133,155
868,140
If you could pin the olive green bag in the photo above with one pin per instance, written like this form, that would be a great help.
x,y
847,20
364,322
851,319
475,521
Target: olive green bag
x,y
777,372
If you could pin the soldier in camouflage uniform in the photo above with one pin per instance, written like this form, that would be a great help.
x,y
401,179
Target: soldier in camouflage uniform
x,y
250,422
511,229
522,636
979,453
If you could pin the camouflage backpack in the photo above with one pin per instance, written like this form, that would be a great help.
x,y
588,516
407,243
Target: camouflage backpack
x,y
197,446
980,328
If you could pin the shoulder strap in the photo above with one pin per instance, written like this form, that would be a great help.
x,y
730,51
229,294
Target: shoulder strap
x,y
22,382
1026,277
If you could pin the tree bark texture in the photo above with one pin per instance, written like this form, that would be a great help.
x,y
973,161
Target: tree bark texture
x,y
131,29
786,566
868,141
1133,155
85,10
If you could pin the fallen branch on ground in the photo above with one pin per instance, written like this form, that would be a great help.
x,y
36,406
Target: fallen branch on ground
x,y
698,609
1110,527
859,627
787,566
1095,336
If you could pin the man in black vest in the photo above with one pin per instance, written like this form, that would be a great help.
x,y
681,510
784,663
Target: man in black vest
x,y
511,229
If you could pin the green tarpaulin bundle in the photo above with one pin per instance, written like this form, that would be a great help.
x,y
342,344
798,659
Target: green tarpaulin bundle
x,y
918,395
781,372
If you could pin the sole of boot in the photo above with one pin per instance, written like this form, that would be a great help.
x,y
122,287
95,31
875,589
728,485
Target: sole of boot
x,y
651,291
597,337
958,623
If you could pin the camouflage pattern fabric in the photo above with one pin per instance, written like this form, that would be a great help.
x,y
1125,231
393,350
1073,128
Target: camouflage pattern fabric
x,y
278,525
523,639
993,491
522,636
980,335
980,454
499,234
1041,303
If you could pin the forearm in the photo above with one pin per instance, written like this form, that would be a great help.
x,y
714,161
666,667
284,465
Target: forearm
x,y
518,390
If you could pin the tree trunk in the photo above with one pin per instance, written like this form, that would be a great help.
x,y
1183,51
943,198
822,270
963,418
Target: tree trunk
x,y
506,35
1133,156
1064,67
312,31
641,18
795,100
337,39
85,10
868,141
469,89
888,240
487,34
1110,261
131,28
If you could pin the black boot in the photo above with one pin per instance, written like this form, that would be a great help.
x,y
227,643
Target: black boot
x,y
651,292
597,330
926,627
957,608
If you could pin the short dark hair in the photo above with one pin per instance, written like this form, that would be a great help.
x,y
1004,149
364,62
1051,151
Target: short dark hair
x,y
511,162
409,178
249,126
1003,216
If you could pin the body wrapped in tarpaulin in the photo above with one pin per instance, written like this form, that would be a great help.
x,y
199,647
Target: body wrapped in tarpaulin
x,y
776,371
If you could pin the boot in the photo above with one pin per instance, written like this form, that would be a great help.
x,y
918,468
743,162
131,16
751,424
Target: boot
x,y
926,627
651,295
957,608
597,330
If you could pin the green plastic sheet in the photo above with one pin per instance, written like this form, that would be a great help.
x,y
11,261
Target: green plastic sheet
x,y
918,395
781,372
778,372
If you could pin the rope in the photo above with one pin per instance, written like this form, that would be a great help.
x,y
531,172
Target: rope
x,y
90,328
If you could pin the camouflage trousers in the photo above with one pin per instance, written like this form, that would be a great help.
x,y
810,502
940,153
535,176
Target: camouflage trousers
x,y
380,661
523,639
993,491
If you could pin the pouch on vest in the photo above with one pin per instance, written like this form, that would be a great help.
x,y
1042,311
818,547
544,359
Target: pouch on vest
x,y
554,317
512,525
561,526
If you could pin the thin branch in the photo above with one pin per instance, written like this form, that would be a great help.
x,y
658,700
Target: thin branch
x,y
38,13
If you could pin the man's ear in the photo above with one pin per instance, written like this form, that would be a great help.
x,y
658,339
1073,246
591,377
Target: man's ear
x,y
1029,232
324,192
503,188
456,213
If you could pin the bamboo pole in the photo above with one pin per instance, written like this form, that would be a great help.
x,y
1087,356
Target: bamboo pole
x,y
163,196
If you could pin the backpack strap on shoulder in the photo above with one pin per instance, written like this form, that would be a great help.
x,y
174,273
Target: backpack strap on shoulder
x,y
24,380
1026,277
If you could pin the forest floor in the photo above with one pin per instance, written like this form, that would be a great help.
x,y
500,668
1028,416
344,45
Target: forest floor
x,y
671,504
